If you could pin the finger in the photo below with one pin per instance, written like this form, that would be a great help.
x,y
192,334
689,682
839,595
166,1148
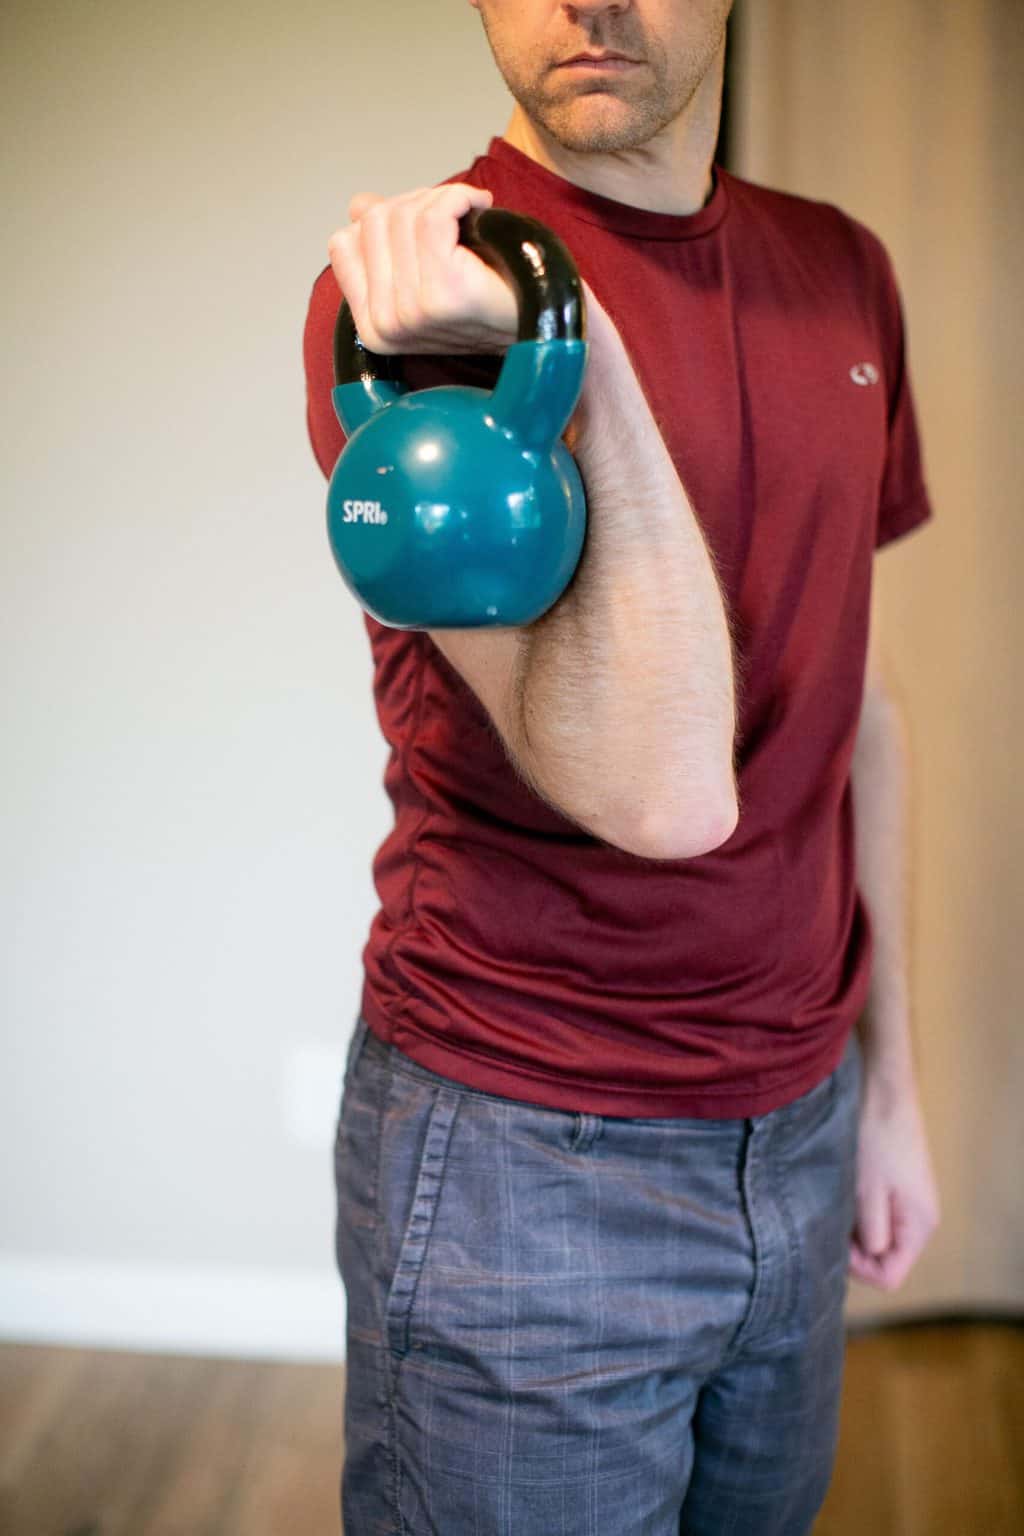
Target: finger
x,y
349,260
869,1269
347,263
900,1225
873,1228
375,249
894,1267
863,1266
391,264
437,227
392,237
360,203
437,240
405,258
911,1231
888,1270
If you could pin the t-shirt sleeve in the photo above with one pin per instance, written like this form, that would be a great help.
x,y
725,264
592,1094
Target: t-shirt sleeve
x,y
325,434
903,502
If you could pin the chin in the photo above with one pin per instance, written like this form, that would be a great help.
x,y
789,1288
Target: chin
x,y
582,128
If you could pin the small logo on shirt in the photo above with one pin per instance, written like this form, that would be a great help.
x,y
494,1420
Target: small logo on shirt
x,y
864,373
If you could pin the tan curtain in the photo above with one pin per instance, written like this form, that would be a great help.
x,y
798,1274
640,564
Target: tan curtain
x,y
909,114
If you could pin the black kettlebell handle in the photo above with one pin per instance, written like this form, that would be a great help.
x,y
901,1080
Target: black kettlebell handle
x,y
533,261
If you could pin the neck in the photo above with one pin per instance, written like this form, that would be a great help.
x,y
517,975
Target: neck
x,y
671,173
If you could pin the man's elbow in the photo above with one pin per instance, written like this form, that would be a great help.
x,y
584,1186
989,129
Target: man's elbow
x,y
705,828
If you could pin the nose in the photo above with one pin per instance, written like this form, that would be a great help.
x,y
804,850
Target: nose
x,y
590,8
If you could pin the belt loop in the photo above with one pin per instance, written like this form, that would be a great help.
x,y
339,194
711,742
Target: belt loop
x,y
585,1131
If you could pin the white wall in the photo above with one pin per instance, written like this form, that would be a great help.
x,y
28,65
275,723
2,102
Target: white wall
x,y
192,764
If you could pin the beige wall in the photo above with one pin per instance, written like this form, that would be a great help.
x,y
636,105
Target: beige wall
x,y
191,762
909,114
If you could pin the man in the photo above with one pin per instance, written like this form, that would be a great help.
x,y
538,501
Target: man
x,y
632,1088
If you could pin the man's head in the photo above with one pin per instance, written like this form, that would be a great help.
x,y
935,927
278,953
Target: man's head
x,y
589,109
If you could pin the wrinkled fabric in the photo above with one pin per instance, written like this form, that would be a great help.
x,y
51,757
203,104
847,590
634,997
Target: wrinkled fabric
x,y
569,1324
518,954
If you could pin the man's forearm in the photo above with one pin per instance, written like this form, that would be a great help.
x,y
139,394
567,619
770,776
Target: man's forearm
x,y
880,776
627,693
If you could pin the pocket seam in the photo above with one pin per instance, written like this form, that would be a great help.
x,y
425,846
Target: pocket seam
x,y
412,1251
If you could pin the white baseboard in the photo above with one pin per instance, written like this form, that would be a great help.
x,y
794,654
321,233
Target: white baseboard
x,y
282,1315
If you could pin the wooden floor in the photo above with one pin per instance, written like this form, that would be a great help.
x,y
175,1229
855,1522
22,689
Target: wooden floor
x,y
117,1444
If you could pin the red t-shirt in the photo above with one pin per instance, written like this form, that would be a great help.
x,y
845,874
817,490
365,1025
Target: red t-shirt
x,y
522,956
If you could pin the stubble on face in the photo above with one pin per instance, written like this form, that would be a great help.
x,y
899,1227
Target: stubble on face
x,y
605,113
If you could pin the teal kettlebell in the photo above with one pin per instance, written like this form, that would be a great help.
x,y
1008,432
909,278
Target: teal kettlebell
x,y
457,507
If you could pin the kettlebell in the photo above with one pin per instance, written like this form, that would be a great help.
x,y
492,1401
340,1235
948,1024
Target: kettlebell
x,y
457,507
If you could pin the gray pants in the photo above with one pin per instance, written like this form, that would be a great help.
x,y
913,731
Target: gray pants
x,y
569,1324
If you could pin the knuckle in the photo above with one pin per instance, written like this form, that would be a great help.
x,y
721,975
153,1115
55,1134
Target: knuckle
x,y
367,323
438,215
408,315
360,204
379,213
387,328
372,339
413,198
438,211
392,328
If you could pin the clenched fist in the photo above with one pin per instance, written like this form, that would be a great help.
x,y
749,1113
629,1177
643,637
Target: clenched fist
x,y
410,285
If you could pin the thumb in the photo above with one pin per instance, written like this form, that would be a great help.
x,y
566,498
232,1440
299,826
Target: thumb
x,y
360,203
873,1220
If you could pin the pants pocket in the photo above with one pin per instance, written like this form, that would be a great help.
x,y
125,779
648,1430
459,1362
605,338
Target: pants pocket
x,y
355,1047
429,1167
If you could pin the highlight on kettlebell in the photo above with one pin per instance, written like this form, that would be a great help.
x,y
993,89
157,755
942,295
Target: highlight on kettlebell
x,y
456,507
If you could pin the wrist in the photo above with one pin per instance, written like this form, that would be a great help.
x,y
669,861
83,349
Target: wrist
x,y
614,433
886,1050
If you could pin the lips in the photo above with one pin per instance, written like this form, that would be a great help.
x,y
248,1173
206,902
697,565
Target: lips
x,y
600,58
